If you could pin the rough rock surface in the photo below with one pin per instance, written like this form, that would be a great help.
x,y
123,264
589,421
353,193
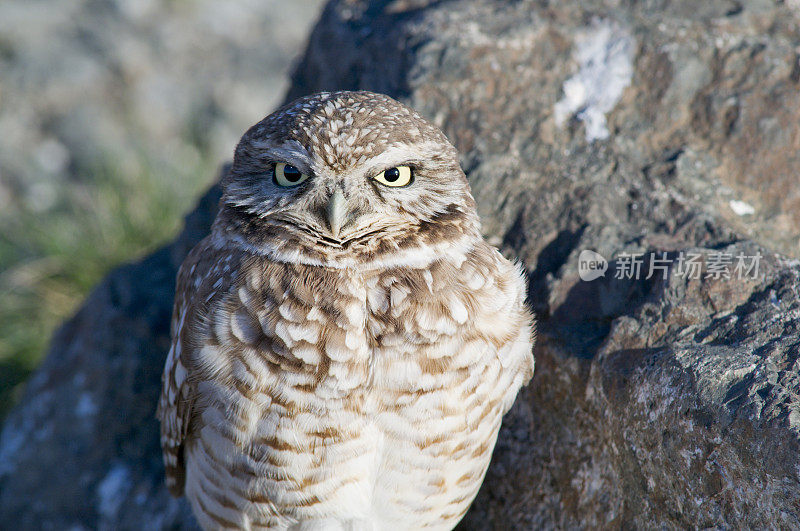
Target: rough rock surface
x,y
619,127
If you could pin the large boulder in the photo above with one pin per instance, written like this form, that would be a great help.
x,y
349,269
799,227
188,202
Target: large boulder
x,y
661,130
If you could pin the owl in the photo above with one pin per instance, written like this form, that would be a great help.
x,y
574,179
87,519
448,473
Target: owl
x,y
344,342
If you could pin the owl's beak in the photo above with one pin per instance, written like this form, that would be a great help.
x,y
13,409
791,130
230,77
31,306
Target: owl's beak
x,y
337,212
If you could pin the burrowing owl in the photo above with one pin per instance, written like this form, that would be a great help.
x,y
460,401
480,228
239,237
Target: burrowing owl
x,y
344,343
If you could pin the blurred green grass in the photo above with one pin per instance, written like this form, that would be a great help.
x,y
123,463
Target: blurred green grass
x,y
50,259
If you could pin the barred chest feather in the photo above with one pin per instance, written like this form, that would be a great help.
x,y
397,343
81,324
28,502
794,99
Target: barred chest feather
x,y
346,399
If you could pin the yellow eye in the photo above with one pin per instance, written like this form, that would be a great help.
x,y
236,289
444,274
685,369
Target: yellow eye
x,y
395,177
287,175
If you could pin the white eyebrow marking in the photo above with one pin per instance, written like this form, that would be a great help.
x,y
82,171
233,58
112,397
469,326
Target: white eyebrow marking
x,y
291,151
397,154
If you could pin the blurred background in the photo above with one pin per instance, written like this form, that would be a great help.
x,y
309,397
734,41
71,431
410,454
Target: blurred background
x,y
115,115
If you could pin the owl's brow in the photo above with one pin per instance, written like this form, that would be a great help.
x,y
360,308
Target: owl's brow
x,y
399,154
290,151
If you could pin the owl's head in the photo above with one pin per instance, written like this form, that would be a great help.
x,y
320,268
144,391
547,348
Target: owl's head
x,y
347,178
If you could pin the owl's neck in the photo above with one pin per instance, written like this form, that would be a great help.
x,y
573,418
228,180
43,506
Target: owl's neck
x,y
411,257
445,238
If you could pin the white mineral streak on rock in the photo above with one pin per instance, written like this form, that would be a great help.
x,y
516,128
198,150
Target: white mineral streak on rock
x,y
604,52
740,208
112,490
86,406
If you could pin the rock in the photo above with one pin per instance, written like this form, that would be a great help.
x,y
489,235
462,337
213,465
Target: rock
x,y
81,451
655,129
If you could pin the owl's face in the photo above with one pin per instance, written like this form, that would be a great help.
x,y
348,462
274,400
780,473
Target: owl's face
x,y
343,177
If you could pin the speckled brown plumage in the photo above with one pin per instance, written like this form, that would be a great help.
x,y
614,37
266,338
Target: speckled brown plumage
x,y
341,379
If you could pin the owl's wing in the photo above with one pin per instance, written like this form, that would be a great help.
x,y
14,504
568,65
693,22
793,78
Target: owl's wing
x,y
505,320
178,389
175,403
